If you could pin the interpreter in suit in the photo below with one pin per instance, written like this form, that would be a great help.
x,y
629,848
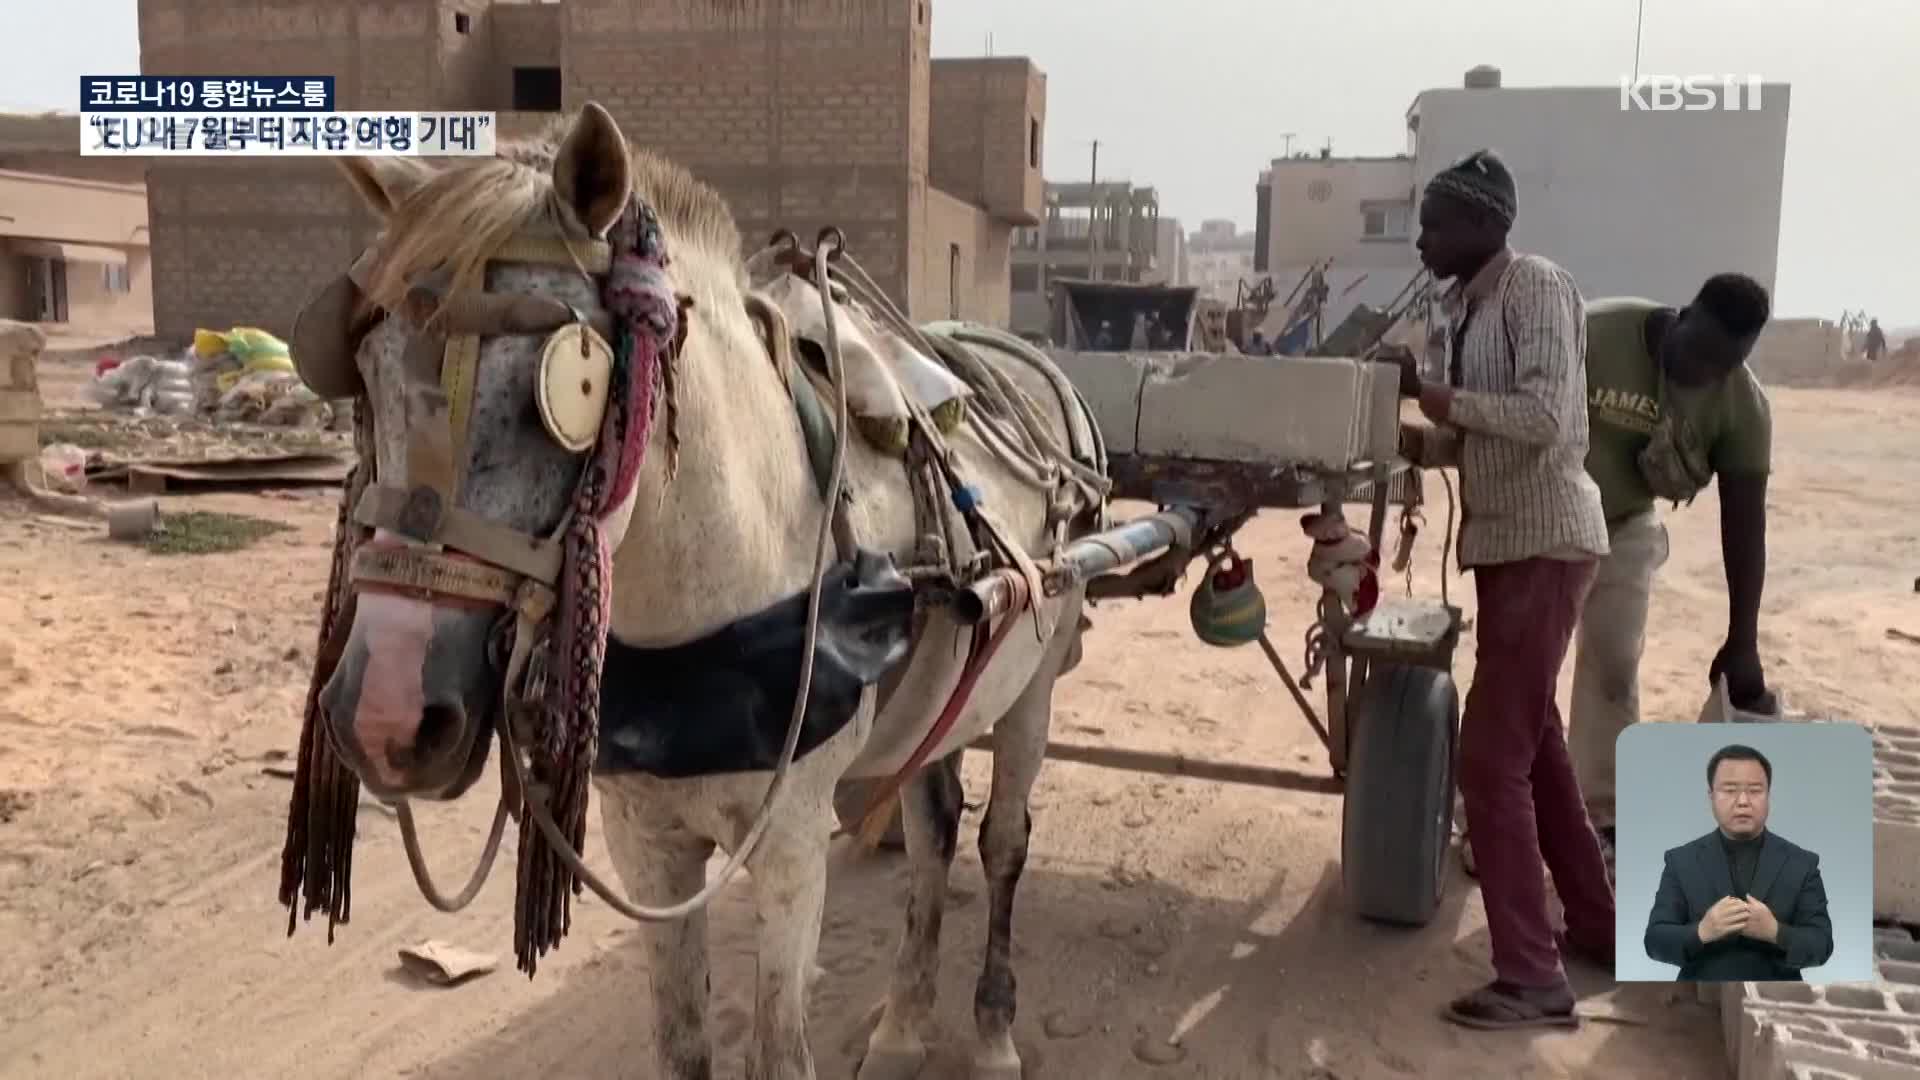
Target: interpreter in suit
x,y
1740,904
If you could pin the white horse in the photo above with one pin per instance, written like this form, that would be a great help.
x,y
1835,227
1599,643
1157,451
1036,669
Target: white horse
x,y
730,534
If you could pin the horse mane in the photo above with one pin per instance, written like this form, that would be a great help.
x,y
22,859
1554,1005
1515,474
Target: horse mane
x,y
463,213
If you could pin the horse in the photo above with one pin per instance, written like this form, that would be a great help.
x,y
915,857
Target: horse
x,y
718,528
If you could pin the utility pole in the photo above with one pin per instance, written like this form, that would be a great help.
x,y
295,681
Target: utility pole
x,y
1093,216
1638,20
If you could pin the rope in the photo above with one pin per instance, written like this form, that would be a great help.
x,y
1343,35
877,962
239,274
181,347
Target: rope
x,y
323,811
1000,396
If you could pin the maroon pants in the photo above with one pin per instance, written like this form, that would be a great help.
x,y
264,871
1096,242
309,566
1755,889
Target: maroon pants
x,y
1516,778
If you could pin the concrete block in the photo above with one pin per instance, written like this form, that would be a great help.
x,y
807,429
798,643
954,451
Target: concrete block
x,y
1881,1016
1859,1049
1325,412
1797,1071
20,345
1896,826
1111,384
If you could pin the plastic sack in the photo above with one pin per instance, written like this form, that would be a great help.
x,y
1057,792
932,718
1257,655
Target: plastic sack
x,y
208,343
259,350
64,467
143,384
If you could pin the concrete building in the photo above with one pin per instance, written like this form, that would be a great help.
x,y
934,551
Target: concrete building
x,y
74,251
1108,231
1631,202
1170,258
1354,215
1219,258
73,233
803,113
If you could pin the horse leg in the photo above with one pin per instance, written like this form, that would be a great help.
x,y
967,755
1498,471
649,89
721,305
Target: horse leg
x,y
662,862
789,877
930,812
1020,744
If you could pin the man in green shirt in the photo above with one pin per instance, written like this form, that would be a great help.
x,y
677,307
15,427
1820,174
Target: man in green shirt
x,y
1671,407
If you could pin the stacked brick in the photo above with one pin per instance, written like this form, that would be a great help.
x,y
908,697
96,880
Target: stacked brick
x,y
1896,826
1860,1031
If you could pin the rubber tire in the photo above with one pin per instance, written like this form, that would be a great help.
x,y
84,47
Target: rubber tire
x,y
1397,823
850,801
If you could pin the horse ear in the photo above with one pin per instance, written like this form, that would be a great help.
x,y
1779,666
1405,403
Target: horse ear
x,y
591,172
385,182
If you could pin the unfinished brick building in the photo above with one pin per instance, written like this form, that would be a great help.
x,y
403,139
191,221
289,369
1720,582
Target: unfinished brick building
x,y
801,112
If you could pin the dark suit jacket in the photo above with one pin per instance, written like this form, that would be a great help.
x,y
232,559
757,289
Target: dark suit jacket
x,y
1698,875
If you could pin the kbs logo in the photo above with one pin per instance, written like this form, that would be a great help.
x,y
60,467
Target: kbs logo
x,y
1690,93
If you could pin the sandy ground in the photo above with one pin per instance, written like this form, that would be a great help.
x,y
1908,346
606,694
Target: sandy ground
x,y
141,698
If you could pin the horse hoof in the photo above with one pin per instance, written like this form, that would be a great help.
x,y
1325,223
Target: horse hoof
x,y
997,1069
893,1064
997,1063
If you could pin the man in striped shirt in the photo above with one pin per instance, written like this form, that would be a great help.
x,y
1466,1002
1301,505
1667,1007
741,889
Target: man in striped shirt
x,y
1512,418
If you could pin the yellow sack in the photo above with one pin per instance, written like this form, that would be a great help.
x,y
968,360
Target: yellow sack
x,y
259,350
208,344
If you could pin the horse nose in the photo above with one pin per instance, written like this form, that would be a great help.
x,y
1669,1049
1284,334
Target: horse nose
x,y
440,728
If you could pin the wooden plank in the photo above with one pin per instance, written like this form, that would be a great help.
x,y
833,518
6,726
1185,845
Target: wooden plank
x,y
317,470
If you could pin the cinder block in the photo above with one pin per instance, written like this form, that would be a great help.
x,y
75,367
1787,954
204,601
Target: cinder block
x,y
1797,1071
1877,1021
1896,826
1324,412
1861,1049
1320,411
1111,384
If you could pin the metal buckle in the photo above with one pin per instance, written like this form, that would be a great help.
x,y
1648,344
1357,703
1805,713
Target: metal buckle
x,y
421,516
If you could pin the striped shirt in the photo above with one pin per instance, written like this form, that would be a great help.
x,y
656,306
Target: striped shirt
x,y
1517,428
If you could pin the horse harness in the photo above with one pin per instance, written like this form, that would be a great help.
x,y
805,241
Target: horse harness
x,y
455,554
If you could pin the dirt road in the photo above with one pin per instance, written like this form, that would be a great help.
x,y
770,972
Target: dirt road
x,y
141,698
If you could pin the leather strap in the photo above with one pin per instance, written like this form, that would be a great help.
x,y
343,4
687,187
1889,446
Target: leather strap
x,y
459,372
425,520
433,573
552,249
486,314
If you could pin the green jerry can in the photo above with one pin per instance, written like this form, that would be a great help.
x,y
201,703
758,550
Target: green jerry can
x,y
1228,608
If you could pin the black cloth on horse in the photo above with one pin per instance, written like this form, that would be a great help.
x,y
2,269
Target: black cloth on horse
x,y
722,703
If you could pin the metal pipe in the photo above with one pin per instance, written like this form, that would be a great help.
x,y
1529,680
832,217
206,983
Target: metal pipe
x,y
1299,697
1084,558
1163,764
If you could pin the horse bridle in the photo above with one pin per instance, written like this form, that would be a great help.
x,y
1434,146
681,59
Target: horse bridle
x,y
469,560
454,555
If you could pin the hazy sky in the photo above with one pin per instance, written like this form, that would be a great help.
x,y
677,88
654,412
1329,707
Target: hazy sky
x,y
1193,97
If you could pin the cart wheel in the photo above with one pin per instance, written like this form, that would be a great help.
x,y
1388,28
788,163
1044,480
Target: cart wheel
x,y
850,800
1398,818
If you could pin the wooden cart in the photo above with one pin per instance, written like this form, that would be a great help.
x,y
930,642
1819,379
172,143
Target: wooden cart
x,y
1392,710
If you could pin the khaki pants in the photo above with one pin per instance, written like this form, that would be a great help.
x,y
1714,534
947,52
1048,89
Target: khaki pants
x,y
1606,667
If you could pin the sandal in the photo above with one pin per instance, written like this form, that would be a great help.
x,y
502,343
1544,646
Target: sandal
x,y
1496,1008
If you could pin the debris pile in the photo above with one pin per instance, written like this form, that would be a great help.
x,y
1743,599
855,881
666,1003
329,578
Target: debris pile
x,y
244,375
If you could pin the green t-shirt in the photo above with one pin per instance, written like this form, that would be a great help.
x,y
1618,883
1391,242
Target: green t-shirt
x,y
1625,396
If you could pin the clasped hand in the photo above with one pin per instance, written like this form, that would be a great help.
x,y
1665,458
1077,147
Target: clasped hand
x,y
1748,917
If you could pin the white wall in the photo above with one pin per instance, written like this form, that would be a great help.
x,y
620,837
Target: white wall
x,y
1316,211
1216,273
1632,203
